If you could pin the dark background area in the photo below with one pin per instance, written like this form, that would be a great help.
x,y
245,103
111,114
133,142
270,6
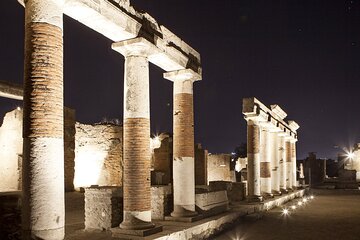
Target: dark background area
x,y
301,54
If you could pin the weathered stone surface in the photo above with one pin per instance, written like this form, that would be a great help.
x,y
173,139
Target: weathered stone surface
x,y
218,167
161,161
236,191
201,167
11,90
98,155
161,202
103,207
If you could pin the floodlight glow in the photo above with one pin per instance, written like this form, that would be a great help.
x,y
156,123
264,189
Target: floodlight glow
x,y
299,203
304,200
311,197
285,211
350,155
293,207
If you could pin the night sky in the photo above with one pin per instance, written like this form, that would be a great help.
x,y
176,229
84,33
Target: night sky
x,y
301,54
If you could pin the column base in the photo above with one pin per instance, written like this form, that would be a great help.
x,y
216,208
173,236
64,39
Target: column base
x,y
266,195
136,224
254,198
44,234
276,193
180,211
130,233
289,189
284,191
295,187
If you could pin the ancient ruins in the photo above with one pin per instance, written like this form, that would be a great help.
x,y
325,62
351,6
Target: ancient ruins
x,y
130,179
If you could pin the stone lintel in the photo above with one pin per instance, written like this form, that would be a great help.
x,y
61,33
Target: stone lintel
x,y
119,21
278,111
183,75
11,90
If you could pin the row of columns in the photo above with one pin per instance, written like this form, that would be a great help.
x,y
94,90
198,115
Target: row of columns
x,y
43,213
271,161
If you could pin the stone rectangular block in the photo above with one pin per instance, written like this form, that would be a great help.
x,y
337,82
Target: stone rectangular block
x,y
210,203
161,201
236,191
103,207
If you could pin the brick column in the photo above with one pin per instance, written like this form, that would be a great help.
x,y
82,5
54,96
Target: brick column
x,y
288,164
183,142
43,209
282,163
136,152
293,162
265,167
253,155
275,159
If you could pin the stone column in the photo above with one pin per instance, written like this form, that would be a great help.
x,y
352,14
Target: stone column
x,y
282,162
183,142
265,163
253,155
275,171
293,162
289,167
136,152
43,208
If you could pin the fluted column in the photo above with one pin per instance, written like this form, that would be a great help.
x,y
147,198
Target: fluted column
x,y
183,142
289,167
136,152
282,163
265,163
43,208
253,155
275,159
293,162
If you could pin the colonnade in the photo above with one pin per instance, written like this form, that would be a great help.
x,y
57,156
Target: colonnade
x,y
271,150
43,213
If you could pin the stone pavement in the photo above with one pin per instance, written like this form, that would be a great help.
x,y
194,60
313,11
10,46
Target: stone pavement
x,y
171,230
333,214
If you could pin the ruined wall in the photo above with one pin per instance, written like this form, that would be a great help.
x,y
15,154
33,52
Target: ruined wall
x,y
355,162
10,149
219,167
69,148
201,165
161,161
98,155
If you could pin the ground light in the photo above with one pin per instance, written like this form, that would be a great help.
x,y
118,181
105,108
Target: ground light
x,y
293,207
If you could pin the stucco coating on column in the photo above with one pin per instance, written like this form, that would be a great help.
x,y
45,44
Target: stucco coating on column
x,y
183,149
282,153
289,167
265,167
293,161
136,87
136,152
275,174
253,154
43,208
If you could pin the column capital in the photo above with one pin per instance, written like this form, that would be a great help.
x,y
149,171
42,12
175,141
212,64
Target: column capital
x,y
135,47
183,75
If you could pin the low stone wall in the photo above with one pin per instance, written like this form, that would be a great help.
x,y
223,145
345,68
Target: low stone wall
x,y
236,191
103,207
161,202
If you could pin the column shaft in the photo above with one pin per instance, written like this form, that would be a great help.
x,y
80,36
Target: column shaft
x,y
136,181
275,174
282,153
253,154
289,167
293,162
265,163
43,208
183,150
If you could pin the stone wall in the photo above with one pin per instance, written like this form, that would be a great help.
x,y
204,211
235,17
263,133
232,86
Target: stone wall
x,y
98,155
69,148
218,166
10,150
201,156
161,161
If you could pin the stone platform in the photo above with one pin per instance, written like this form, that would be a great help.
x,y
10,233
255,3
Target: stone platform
x,y
201,229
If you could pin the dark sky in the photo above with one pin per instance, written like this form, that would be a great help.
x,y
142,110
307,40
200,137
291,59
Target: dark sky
x,y
301,54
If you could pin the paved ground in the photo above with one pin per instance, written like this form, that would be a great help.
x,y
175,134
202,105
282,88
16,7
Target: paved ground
x,y
333,214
